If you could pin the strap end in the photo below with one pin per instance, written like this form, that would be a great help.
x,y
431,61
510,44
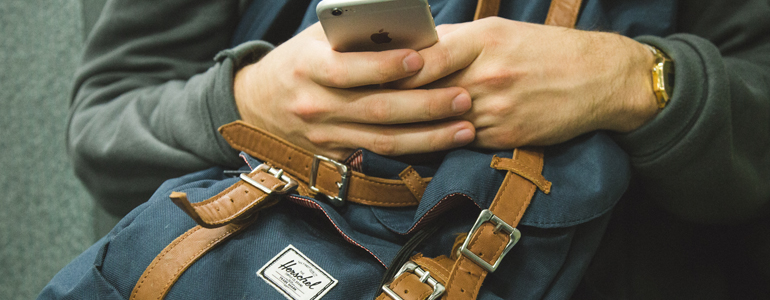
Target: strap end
x,y
181,201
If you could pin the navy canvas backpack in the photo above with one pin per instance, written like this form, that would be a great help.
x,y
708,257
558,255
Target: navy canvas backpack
x,y
262,247
523,223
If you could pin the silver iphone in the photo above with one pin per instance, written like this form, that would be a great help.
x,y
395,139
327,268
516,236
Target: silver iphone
x,y
376,25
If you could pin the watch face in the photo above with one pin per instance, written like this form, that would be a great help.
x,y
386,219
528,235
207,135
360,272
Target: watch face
x,y
668,78
662,77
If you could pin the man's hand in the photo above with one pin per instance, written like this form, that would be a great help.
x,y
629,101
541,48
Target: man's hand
x,y
539,85
330,103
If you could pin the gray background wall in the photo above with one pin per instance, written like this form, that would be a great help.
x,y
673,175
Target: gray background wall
x,y
46,217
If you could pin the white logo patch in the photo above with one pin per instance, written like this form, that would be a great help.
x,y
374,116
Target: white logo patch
x,y
296,276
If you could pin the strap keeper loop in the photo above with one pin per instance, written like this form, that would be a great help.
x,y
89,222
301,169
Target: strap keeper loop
x,y
520,169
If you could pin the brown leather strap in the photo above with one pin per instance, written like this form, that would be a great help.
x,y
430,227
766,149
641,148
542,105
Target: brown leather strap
x,y
517,167
298,162
522,180
232,203
486,8
169,265
512,199
563,13
414,182
410,286
487,243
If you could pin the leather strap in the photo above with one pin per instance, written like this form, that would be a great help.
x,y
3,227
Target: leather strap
x,y
185,250
414,182
410,287
523,170
486,8
298,162
230,204
563,13
512,199
522,180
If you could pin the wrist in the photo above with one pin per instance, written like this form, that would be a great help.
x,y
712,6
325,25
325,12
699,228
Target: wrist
x,y
243,57
242,93
638,99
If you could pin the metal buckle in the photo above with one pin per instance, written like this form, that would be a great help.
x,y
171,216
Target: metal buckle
x,y
513,234
410,266
342,185
290,184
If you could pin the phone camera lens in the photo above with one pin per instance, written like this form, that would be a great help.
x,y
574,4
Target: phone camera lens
x,y
336,12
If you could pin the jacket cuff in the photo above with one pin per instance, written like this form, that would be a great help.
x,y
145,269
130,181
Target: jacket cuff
x,y
221,101
691,89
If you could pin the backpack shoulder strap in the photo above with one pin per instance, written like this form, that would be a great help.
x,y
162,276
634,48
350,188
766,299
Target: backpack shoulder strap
x,y
486,8
562,13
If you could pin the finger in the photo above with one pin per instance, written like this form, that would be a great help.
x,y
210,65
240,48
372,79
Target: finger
x,y
456,50
403,106
408,139
354,69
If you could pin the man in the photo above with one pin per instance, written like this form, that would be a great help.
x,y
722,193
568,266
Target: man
x,y
148,99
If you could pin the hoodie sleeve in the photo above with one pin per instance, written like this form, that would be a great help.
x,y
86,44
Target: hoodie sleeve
x,y
706,156
148,97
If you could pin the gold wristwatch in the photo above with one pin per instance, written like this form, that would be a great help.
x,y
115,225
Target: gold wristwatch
x,y
662,76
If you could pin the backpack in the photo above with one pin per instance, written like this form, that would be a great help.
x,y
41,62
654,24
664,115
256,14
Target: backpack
x,y
344,251
523,223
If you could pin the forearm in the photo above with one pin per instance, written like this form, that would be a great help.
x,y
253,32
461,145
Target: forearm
x,y
148,97
124,148
706,157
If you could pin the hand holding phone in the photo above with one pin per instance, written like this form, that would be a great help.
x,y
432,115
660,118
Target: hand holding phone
x,y
376,25
304,92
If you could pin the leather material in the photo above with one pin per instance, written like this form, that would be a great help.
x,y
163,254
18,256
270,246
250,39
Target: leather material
x,y
519,189
185,250
297,162
414,182
438,267
563,13
509,205
409,286
523,171
230,204
486,8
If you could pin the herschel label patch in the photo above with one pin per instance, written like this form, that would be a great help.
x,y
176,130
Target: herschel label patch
x,y
296,276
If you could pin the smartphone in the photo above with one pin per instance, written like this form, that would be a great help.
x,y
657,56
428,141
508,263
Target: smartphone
x,y
377,25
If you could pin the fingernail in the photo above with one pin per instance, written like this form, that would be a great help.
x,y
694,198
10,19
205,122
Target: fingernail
x,y
412,62
461,103
463,137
